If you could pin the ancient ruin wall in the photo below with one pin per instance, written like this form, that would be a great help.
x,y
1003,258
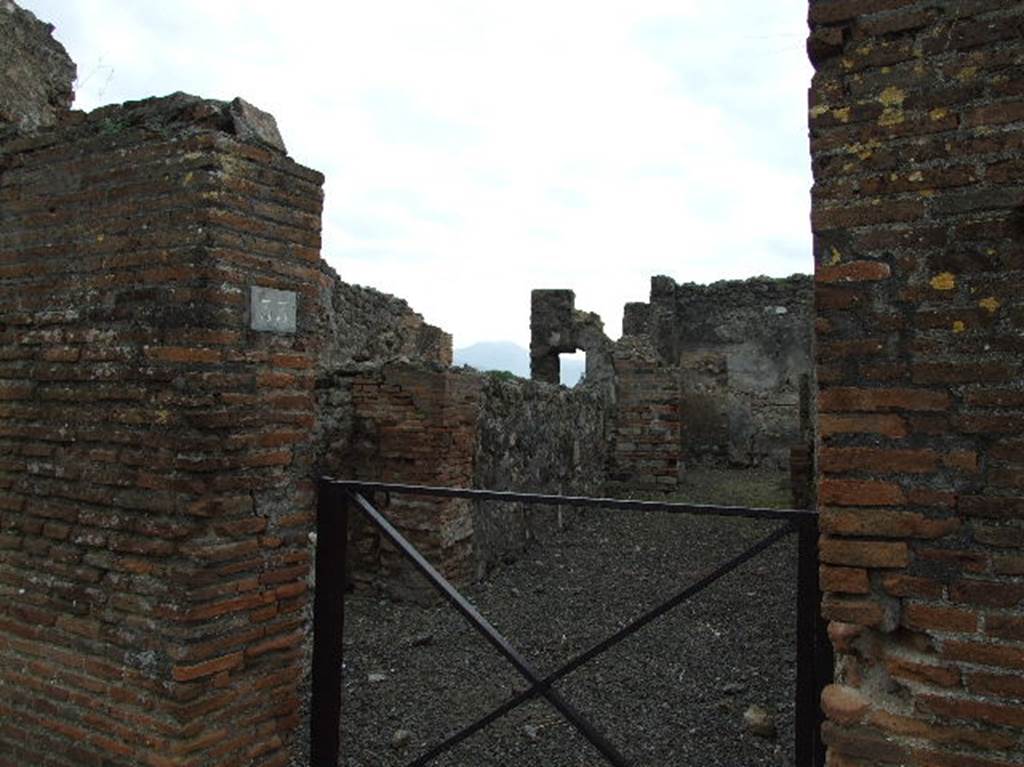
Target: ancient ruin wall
x,y
635,394
155,493
646,421
36,72
538,438
917,128
741,347
364,325
417,424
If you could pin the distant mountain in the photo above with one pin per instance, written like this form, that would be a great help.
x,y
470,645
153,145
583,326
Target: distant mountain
x,y
509,356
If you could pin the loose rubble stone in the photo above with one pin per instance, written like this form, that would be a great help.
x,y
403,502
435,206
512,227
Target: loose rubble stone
x,y
400,739
759,721
36,73
253,124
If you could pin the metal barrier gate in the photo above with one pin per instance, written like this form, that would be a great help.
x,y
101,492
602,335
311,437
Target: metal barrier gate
x,y
337,498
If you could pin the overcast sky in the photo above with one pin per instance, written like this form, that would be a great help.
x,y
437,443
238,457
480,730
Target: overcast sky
x,y
476,149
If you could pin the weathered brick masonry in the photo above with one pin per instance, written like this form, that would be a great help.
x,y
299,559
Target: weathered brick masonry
x,y
421,424
640,391
645,448
418,426
917,130
740,349
155,493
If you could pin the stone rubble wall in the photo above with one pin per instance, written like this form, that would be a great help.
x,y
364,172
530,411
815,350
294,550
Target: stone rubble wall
x,y
36,73
537,438
365,325
917,126
739,348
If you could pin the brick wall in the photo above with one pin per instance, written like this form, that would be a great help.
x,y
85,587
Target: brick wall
x,y
917,124
154,459
646,438
740,348
414,425
421,424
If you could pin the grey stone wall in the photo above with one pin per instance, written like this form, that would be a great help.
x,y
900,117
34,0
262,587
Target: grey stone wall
x,y
36,72
558,327
366,325
740,348
539,438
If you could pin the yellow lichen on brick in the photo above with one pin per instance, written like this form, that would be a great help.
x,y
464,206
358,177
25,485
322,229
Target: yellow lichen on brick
x,y
892,99
891,117
990,304
943,281
863,151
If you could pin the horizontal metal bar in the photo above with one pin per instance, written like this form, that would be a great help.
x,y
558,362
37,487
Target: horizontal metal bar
x,y
573,500
470,613
586,656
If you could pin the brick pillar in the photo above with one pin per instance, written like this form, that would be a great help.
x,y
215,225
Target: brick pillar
x,y
415,425
917,124
155,494
647,438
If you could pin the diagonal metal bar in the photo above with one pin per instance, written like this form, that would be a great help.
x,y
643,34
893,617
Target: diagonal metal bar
x,y
631,628
485,629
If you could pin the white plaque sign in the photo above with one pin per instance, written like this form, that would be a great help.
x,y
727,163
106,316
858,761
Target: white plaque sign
x,y
272,311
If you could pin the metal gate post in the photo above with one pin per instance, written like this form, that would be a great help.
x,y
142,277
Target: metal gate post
x,y
328,624
809,749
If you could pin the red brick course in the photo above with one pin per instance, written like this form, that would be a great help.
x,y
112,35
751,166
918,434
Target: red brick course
x,y
916,130
154,458
647,440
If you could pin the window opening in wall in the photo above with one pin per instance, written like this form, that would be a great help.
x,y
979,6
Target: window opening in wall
x,y
572,368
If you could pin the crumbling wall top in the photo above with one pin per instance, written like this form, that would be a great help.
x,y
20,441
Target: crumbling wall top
x,y
364,326
173,115
556,327
36,73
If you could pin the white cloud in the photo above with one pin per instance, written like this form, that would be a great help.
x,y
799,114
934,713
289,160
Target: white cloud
x,y
475,149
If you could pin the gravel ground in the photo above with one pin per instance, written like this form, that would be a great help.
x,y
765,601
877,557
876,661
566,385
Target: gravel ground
x,y
673,694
